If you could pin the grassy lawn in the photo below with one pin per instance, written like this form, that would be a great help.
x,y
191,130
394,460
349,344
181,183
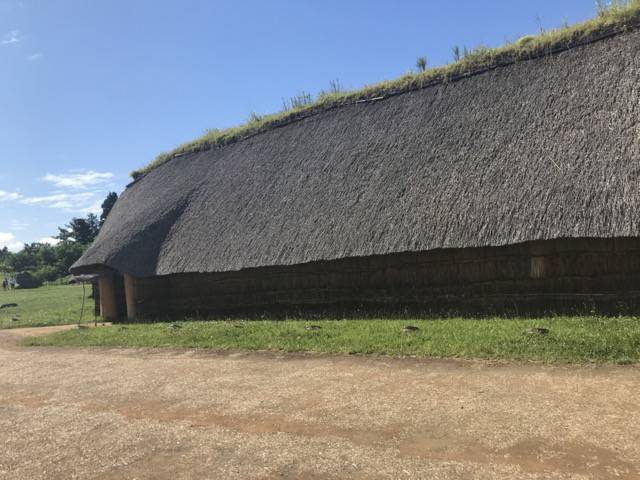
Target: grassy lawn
x,y
570,339
55,305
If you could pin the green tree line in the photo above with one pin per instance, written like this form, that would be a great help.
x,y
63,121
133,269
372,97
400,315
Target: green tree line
x,y
48,263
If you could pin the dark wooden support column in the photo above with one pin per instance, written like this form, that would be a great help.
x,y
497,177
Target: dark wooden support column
x,y
108,302
130,294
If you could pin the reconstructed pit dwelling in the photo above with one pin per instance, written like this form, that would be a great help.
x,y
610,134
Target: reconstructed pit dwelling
x,y
512,189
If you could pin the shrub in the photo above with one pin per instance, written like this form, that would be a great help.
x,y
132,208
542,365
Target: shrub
x,y
46,273
28,280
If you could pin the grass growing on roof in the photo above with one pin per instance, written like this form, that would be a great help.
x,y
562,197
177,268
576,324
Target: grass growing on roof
x,y
38,307
613,17
570,339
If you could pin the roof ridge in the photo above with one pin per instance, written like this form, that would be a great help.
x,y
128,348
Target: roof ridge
x,y
480,61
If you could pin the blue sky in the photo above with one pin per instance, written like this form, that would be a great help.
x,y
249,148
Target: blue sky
x,y
92,89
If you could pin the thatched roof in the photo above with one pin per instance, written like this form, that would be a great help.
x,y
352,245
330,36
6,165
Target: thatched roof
x,y
542,149
613,18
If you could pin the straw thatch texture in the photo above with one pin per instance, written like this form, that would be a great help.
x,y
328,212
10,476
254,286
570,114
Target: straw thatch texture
x,y
543,149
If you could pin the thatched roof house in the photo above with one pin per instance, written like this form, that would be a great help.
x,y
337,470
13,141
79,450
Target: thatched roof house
x,y
517,185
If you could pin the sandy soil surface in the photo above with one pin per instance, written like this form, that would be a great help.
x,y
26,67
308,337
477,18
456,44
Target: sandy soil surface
x,y
155,414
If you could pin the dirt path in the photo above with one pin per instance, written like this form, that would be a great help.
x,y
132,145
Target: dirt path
x,y
115,414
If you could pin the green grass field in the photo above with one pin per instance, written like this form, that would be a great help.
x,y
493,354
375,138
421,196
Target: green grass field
x,y
570,339
54,305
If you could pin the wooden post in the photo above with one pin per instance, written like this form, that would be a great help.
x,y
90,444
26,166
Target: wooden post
x,y
538,250
538,267
131,297
108,304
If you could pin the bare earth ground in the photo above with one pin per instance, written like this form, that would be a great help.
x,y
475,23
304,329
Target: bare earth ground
x,y
127,413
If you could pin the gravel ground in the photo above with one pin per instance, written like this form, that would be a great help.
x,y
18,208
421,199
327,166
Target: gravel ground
x,y
154,414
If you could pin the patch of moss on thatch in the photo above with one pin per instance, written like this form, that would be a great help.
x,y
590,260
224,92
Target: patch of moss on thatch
x,y
615,19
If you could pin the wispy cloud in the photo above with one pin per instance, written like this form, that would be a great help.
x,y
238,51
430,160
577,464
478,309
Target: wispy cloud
x,y
75,192
34,57
9,196
78,180
66,201
86,201
10,241
12,37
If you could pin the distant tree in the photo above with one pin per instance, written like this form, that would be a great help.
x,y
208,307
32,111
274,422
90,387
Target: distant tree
x,y
68,253
81,230
25,259
5,258
45,262
107,205
421,63
46,254
4,254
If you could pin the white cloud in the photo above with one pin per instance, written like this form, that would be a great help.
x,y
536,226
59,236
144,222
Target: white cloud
x,y
9,240
12,37
35,56
66,201
9,196
77,192
79,202
49,240
78,180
